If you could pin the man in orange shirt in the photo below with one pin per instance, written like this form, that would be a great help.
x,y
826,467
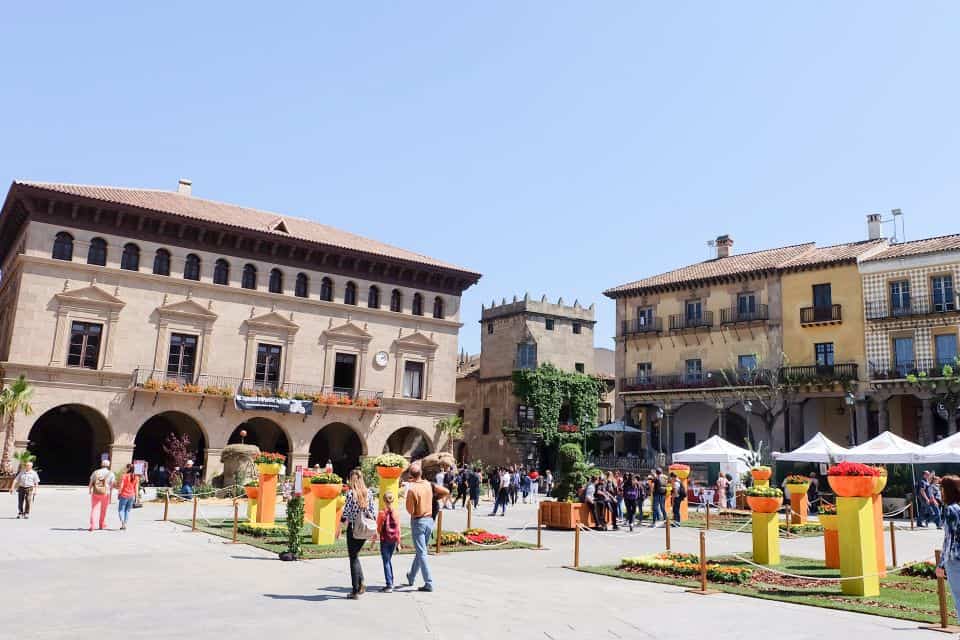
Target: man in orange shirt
x,y
420,507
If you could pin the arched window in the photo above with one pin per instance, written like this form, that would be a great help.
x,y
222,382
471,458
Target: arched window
x,y
276,281
161,262
63,246
396,301
417,307
191,268
326,289
438,307
97,253
350,294
373,298
130,260
249,280
221,272
302,288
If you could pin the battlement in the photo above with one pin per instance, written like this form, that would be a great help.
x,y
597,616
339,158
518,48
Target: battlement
x,y
534,307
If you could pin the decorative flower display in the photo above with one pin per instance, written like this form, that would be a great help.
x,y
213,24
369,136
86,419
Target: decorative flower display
x,y
390,460
797,479
326,478
568,428
485,537
252,483
853,469
269,458
681,564
764,492
827,509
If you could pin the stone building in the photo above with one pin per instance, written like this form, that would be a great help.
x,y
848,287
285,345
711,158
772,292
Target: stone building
x,y
135,313
522,334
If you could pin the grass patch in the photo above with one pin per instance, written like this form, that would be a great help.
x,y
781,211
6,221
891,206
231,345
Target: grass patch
x,y
276,541
901,596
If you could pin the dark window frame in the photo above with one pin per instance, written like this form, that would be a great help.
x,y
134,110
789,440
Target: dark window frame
x,y
269,367
221,272
396,301
373,297
549,324
301,288
438,308
350,293
62,247
577,328
97,252
130,258
418,369
161,262
249,278
186,362
486,420
275,283
417,307
191,267
88,340
326,289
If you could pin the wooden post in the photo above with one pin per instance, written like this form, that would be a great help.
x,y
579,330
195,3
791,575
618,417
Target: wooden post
x,y
470,513
576,545
941,594
193,525
439,530
911,515
539,526
708,516
236,519
703,561
166,505
893,544
666,530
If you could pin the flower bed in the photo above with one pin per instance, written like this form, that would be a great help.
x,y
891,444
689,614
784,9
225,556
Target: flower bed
x,y
683,564
921,570
479,536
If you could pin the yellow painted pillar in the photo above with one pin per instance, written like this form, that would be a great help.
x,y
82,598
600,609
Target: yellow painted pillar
x,y
766,538
325,520
878,534
393,486
858,548
252,510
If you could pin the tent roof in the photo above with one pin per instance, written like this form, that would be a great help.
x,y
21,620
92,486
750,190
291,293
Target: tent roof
x,y
713,449
946,450
819,448
617,427
886,448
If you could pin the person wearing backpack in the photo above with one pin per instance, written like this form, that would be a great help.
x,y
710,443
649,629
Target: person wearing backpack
x,y
388,530
679,495
101,486
631,496
659,499
359,513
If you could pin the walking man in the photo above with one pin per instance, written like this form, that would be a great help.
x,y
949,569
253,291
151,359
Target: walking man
x,y
26,484
101,486
189,477
473,484
419,506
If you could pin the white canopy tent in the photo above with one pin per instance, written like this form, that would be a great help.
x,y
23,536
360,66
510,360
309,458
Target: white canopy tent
x,y
887,448
944,451
819,448
716,449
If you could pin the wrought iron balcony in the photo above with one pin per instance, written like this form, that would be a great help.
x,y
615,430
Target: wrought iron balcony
x,y
700,380
735,315
825,314
158,379
680,321
914,306
641,325
819,373
923,367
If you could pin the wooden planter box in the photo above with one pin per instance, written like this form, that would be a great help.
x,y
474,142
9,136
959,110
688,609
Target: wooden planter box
x,y
566,515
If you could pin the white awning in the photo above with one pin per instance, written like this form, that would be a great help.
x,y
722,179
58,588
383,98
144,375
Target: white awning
x,y
943,451
886,448
713,449
819,448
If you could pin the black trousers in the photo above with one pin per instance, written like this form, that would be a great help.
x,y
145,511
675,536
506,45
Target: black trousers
x,y
600,514
461,497
354,545
631,506
475,497
23,500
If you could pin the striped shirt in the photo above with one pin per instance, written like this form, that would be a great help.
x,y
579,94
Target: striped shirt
x,y
351,508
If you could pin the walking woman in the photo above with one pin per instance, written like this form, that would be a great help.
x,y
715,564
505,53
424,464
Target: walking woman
x,y
359,506
632,495
127,494
949,566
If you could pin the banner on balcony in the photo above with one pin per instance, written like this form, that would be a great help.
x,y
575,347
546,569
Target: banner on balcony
x,y
280,405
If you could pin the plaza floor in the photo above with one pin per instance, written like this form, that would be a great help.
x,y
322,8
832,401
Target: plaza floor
x,y
158,579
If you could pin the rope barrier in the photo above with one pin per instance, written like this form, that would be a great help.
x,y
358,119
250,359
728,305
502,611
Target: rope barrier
x,y
817,579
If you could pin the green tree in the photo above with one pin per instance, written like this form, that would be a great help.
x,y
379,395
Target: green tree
x,y
14,399
452,427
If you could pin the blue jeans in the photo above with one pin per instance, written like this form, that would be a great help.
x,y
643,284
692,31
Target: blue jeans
x,y
123,508
952,567
421,529
659,507
503,497
187,491
386,554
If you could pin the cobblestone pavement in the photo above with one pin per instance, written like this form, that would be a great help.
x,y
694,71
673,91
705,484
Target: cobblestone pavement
x,y
157,579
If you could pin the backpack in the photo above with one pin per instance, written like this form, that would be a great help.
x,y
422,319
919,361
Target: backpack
x,y
658,486
631,492
391,528
681,492
100,487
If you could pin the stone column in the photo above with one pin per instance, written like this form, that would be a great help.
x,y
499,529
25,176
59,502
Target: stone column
x,y
298,458
428,377
720,419
926,421
883,416
213,465
795,427
112,321
120,456
667,436
59,337
863,419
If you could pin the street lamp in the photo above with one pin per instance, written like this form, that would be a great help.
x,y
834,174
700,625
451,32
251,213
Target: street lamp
x,y
851,401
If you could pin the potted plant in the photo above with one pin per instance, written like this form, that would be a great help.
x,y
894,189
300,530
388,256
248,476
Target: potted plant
x,y
252,489
828,515
797,484
269,463
853,479
764,499
390,465
682,471
326,485
761,473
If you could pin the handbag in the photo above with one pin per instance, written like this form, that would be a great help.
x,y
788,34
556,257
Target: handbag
x,y
364,528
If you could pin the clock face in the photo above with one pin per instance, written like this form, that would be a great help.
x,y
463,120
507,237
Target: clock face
x,y
381,359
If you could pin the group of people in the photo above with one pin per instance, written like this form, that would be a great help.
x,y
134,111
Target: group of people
x,y
101,486
617,499
930,500
461,484
508,484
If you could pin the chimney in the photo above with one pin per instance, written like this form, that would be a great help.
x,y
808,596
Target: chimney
x,y
185,187
874,231
724,244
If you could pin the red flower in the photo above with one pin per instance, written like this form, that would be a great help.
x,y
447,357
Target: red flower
x,y
853,469
486,538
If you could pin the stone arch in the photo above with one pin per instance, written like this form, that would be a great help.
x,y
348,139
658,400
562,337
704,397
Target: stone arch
x,y
340,444
735,429
411,442
694,418
265,434
153,433
68,441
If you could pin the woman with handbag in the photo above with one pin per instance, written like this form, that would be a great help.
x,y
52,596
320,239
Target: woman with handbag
x,y
359,514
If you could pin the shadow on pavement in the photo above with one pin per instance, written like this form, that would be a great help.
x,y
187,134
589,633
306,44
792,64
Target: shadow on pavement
x,y
340,593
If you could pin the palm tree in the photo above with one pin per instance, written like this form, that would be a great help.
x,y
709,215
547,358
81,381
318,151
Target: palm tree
x,y
452,427
14,399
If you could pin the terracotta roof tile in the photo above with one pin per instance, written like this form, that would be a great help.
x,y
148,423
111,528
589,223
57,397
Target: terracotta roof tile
x,y
919,247
834,253
171,202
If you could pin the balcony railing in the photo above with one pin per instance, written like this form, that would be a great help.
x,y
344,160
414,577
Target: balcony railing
x,y
642,325
924,367
680,321
819,373
735,315
914,306
702,380
633,464
813,315
158,379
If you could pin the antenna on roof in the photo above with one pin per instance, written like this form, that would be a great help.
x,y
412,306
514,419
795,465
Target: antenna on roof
x,y
711,244
897,213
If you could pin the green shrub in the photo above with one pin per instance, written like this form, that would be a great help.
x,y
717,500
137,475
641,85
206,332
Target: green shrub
x,y
326,478
294,525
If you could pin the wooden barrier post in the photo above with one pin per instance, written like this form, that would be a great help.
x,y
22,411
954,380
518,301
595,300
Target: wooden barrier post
x,y
708,516
193,524
469,513
166,505
893,544
666,530
703,561
576,545
539,527
911,515
944,626
439,531
236,519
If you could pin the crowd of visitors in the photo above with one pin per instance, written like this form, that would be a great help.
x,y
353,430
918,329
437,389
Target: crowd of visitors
x,y
508,484
930,500
617,499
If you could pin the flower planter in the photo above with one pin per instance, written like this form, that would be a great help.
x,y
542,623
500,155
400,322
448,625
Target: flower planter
x,y
879,484
761,473
764,505
389,472
853,486
682,471
325,491
268,468
798,488
252,492
566,515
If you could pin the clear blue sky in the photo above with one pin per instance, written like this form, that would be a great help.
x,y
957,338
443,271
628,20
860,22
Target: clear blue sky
x,y
559,148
